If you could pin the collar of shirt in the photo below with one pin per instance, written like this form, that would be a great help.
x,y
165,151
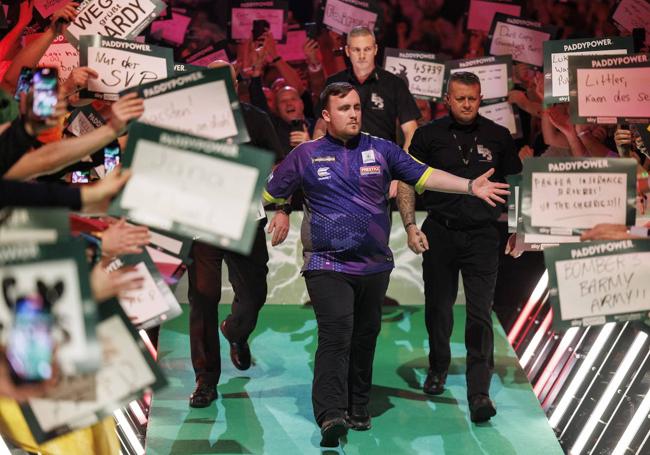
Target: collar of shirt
x,y
351,144
374,76
454,125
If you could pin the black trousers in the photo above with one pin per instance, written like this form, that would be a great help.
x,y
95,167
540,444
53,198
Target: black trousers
x,y
474,252
247,274
348,313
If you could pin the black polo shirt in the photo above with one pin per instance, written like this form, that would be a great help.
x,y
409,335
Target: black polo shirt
x,y
385,101
484,144
261,131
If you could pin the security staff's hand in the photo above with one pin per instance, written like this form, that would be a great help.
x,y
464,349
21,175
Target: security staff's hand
x,y
279,226
511,247
489,191
417,241
606,231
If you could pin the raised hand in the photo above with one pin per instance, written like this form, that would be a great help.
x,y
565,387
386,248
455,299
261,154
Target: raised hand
x,y
489,191
127,108
121,238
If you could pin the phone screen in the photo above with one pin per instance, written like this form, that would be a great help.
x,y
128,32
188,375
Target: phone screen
x,y
29,350
111,157
24,82
80,177
45,91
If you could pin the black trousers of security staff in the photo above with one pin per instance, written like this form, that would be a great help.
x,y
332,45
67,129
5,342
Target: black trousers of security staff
x,y
247,274
474,251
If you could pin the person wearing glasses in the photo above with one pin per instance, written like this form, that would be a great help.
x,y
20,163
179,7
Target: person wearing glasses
x,y
460,235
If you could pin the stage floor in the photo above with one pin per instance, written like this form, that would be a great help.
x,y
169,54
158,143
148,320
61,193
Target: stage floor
x,y
267,409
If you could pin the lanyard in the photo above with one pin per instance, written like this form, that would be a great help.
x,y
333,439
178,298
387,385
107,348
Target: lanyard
x,y
465,156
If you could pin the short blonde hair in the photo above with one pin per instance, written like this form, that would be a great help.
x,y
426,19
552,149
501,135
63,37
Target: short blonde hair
x,y
360,30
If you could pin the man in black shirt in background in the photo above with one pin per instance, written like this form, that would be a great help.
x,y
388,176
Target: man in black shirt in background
x,y
247,274
460,234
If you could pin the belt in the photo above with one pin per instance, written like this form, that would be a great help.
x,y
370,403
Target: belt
x,y
455,224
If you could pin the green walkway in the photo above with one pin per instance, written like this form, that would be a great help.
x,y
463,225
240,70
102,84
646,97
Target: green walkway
x,y
267,409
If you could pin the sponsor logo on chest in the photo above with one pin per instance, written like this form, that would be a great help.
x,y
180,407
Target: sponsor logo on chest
x,y
370,170
377,101
323,173
368,156
485,152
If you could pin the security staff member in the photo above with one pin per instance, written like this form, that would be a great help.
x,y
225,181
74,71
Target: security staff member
x,y
347,262
460,234
247,274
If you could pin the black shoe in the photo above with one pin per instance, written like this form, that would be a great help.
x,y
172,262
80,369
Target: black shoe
x,y
358,418
481,408
332,430
434,384
203,395
240,352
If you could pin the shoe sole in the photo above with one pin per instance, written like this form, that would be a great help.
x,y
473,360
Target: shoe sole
x,y
198,406
483,414
434,392
333,434
354,427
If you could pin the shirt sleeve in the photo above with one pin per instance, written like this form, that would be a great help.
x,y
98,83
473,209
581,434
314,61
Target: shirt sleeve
x,y
23,194
14,142
406,168
285,179
407,109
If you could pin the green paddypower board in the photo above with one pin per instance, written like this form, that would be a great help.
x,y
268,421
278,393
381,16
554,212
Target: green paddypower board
x,y
193,187
423,74
34,224
592,283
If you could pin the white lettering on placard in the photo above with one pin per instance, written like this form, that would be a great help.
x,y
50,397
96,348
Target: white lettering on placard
x,y
578,165
202,110
191,189
494,79
177,82
560,67
501,114
524,44
343,17
601,248
604,285
16,252
578,200
119,70
617,61
423,78
615,92
195,143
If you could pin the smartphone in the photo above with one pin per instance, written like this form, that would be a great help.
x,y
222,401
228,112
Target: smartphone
x,y
111,157
24,82
296,125
45,90
80,177
29,349
311,29
259,27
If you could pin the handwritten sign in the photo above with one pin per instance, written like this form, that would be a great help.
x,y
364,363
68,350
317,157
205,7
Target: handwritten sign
x,y
127,370
424,76
556,61
598,282
494,73
122,64
292,50
341,16
185,184
202,103
631,14
48,7
123,19
243,14
609,89
173,30
482,12
503,114
520,38
563,196
60,54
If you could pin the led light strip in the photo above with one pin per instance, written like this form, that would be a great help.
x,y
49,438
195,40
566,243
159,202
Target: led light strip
x,y
555,359
530,350
632,428
128,432
528,308
606,398
579,378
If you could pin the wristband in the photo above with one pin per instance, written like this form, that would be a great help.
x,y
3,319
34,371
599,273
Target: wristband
x,y
469,187
406,226
286,208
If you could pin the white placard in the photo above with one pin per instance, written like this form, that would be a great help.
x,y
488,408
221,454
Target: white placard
x,y
631,14
501,114
343,17
494,79
604,285
242,22
202,110
119,70
424,78
145,303
61,55
578,200
560,68
195,190
524,44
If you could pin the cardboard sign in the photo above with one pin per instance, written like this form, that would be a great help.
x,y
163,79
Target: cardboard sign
x,y
48,7
520,38
244,12
127,370
597,282
194,187
83,120
180,68
341,16
173,30
609,90
631,14
202,103
495,74
57,273
206,59
60,54
481,13
122,64
424,76
556,61
293,49
123,19
564,196
504,114
154,303
41,225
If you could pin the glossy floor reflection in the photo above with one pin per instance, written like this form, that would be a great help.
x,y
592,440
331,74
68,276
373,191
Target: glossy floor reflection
x,y
267,409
